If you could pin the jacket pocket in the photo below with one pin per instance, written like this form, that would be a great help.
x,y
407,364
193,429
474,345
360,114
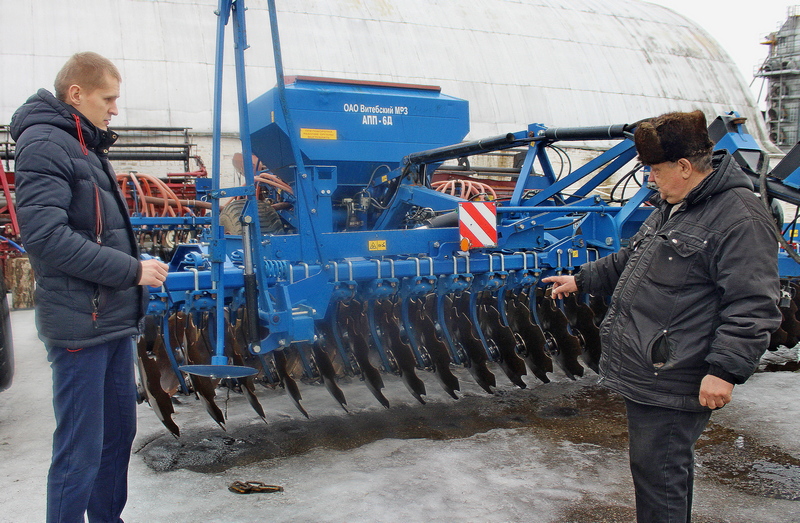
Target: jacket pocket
x,y
675,254
659,351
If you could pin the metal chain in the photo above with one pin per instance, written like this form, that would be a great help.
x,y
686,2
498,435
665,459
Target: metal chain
x,y
248,487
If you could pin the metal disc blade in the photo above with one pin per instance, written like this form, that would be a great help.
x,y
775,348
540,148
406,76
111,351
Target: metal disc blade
x,y
219,371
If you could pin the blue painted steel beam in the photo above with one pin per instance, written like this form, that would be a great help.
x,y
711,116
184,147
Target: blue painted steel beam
x,y
193,221
623,149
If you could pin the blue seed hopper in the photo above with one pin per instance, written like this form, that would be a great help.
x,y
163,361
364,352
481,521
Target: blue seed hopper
x,y
357,127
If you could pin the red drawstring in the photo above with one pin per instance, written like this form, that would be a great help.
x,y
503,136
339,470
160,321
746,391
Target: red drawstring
x,y
80,134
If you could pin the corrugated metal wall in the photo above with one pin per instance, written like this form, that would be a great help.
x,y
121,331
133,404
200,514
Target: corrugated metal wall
x,y
569,62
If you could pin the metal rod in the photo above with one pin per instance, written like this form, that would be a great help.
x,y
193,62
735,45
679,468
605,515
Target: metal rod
x,y
495,143
223,13
609,132
303,183
562,209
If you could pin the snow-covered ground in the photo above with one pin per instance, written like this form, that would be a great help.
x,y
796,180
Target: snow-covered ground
x,y
550,453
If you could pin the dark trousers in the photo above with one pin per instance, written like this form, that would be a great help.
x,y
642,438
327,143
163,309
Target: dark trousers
x,y
94,398
662,460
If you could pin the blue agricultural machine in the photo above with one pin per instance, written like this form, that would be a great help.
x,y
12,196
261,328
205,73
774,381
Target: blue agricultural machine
x,y
338,257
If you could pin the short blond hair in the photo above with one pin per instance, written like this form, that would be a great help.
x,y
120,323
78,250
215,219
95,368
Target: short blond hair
x,y
86,69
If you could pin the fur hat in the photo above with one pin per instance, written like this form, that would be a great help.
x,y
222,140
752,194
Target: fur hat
x,y
672,136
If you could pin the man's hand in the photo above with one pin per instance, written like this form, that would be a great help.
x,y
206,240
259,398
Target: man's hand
x,y
562,286
154,272
715,392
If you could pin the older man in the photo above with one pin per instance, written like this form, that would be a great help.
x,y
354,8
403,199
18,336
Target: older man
x,y
91,286
694,300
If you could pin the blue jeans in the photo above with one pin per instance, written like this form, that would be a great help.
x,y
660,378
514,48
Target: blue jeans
x,y
94,398
662,460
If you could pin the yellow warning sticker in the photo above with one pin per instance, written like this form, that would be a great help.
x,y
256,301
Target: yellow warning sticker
x,y
377,245
318,134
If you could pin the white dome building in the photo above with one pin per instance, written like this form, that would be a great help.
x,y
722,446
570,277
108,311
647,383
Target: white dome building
x,y
556,62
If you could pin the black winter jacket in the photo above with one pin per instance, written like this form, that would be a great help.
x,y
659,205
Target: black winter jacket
x,y
75,227
693,293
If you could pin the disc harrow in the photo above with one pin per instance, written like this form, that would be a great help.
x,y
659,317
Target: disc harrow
x,y
364,269
364,339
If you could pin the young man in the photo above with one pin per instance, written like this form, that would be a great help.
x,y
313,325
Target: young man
x,y
689,316
91,287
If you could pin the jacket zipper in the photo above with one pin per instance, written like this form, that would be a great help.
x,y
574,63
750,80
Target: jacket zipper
x,y
638,262
95,306
669,216
98,232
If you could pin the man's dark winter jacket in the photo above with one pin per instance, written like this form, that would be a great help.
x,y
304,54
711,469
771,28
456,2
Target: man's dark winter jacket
x,y
75,227
694,293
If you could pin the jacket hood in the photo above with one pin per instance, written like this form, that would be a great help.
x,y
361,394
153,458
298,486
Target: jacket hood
x,y
726,174
44,108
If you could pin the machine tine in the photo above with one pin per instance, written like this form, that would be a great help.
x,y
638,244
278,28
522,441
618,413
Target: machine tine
x,y
448,333
565,347
269,375
409,334
387,358
477,367
175,343
239,332
235,343
501,353
581,320
389,326
169,380
791,322
304,361
177,329
472,311
327,372
503,338
334,334
435,347
150,376
464,331
249,391
329,346
795,292
520,320
783,336
198,353
287,382
355,323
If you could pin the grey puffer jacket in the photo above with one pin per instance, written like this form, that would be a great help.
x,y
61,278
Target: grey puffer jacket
x,y
75,227
694,293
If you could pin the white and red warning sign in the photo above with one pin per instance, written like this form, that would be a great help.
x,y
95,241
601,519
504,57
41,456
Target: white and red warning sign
x,y
477,224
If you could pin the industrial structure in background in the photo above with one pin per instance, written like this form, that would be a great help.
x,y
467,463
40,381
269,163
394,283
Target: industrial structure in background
x,y
781,69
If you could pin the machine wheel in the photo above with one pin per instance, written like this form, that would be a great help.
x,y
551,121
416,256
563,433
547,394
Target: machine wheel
x,y
271,222
6,344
